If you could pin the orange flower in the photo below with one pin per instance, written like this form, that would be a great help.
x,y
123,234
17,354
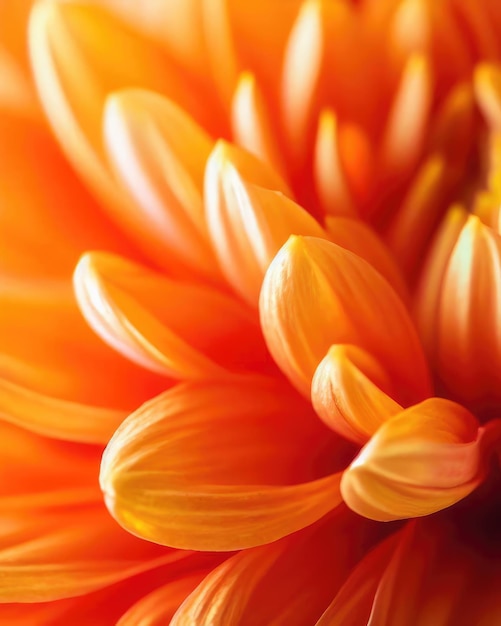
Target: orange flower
x,y
253,254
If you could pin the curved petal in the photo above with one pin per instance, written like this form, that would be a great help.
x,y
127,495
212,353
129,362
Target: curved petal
x,y
76,69
316,294
219,466
358,237
348,393
159,153
36,211
468,340
287,582
248,225
53,417
353,603
206,333
420,461
48,350
252,126
56,537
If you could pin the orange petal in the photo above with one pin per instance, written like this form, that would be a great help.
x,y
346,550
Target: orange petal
x,y
56,538
205,333
428,293
316,294
405,129
67,552
252,125
159,153
347,393
47,349
174,471
358,237
248,225
158,607
288,582
469,348
409,233
420,461
57,418
76,69
353,603
320,42
488,93
36,211
331,180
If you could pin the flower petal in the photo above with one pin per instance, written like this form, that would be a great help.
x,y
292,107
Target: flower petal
x,y
48,350
330,177
76,69
53,417
287,582
356,236
347,393
251,123
353,603
316,294
35,210
205,333
56,538
158,607
248,225
160,153
420,461
468,350
219,466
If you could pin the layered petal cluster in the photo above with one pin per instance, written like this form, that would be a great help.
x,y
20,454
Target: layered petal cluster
x,y
249,309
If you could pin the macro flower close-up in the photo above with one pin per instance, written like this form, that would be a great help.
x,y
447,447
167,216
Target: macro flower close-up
x,y
250,312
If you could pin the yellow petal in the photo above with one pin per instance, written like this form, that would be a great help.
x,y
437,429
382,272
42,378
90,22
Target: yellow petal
x,y
248,225
420,461
316,294
160,153
205,333
218,466
347,393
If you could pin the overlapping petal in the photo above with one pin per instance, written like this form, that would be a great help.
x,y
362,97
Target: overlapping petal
x,y
76,69
348,393
160,153
176,329
220,466
420,461
56,537
248,225
316,294
287,582
48,350
36,212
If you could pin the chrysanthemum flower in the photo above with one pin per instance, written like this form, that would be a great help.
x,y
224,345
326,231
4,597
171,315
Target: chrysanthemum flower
x,y
252,252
